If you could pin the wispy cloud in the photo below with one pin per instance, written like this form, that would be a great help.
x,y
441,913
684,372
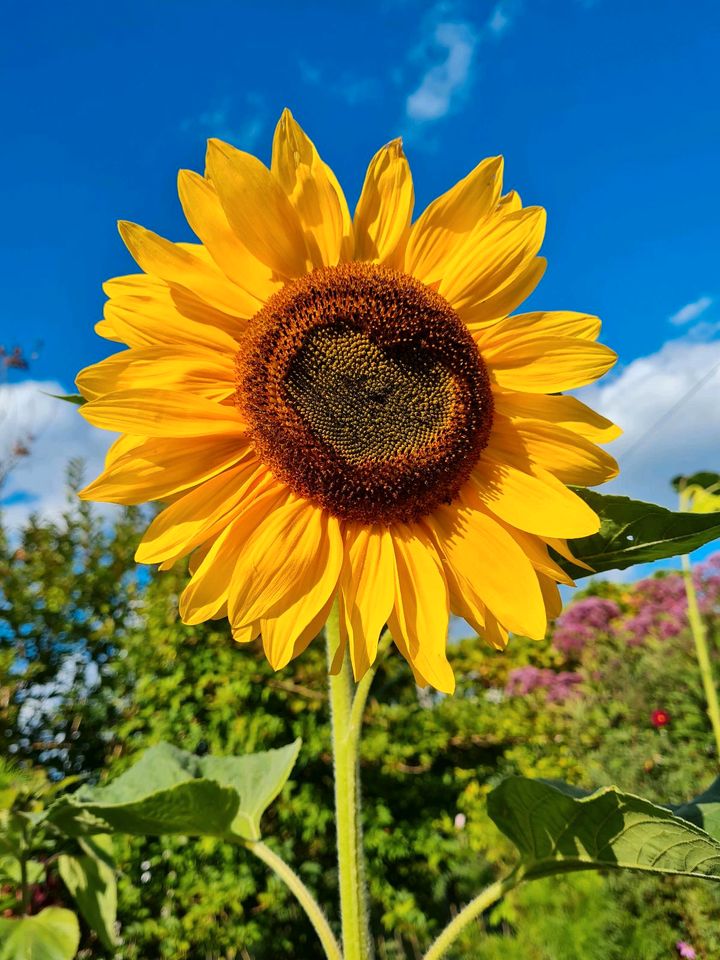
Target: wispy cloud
x,y
691,311
241,123
349,87
54,433
502,16
442,83
448,50
664,404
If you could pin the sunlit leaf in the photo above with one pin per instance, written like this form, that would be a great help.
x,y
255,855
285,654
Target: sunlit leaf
x,y
559,829
172,791
53,934
92,885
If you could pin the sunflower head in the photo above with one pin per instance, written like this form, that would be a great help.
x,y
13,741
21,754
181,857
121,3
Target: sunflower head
x,y
345,409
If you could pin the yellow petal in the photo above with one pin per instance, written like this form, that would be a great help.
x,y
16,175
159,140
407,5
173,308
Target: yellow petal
x,y
314,192
264,583
163,413
535,549
491,567
154,469
185,368
384,210
147,311
419,620
308,634
207,594
435,235
493,255
567,412
302,609
367,588
206,216
118,448
495,633
551,595
561,452
207,591
560,546
518,287
510,202
187,522
257,209
175,263
532,501
548,364
529,327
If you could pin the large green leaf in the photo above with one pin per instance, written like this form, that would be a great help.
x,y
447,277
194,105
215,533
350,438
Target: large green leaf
x,y
635,532
703,811
53,934
559,829
92,884
172,791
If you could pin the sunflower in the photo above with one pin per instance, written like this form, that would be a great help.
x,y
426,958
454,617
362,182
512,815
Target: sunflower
x,y
337,408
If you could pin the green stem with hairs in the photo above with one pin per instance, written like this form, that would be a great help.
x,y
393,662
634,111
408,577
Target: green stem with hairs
x,y
697,628
489,896
344,708
305,898
699,633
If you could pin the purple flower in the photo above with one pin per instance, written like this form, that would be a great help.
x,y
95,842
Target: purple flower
x,y
582,621
685,950
557,686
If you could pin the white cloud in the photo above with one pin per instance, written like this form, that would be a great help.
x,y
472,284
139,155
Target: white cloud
x,y
441,84
691,311
56,433
668,404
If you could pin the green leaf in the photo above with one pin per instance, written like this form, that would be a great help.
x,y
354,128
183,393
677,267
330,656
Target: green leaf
x,y
703,811
53,934
633,532
75,398
92,884
172,791
557,829
11,870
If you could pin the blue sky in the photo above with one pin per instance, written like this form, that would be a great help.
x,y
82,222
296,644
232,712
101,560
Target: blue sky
x,y
606,112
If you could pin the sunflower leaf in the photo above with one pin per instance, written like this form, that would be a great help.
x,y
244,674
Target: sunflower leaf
x,y
92,885
75,398
53,934
173,791
559,829
633,532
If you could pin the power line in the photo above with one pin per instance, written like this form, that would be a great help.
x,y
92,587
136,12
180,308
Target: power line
x,y
671,412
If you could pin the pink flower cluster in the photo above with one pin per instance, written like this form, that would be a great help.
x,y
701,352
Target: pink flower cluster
x,y
558,686
582,622
656,606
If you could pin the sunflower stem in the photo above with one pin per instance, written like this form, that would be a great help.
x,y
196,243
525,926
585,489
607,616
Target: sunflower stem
x,y
357,943
697,628
486,898
305,898
699,633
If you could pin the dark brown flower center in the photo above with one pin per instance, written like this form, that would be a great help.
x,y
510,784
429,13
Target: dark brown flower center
x,y
365,393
